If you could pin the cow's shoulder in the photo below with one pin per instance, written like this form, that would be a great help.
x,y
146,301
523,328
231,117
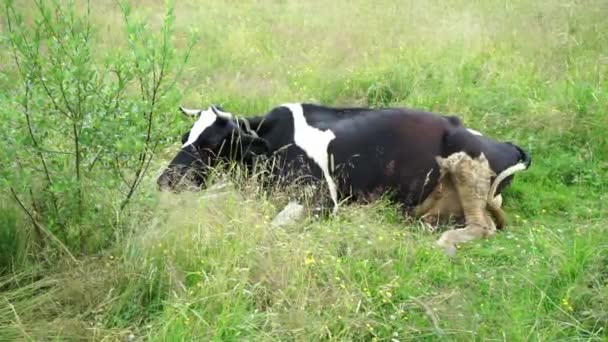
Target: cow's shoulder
x,y
276,119
454,120
278,114
314,115
285,112
334,111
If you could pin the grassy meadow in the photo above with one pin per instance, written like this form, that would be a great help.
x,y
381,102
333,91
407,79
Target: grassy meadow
x,y
89,250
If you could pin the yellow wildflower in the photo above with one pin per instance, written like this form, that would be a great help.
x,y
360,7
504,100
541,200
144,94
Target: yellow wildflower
x,y
309,260
566,304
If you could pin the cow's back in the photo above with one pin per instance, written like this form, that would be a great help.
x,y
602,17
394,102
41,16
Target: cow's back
x,y
388,150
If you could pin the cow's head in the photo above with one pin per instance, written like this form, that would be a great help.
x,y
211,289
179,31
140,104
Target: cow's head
x,y
215,137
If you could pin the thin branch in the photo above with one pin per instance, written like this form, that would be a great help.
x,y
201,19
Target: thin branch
x,y
147,153
26,112
51,96
118,171
74,115
39,149
158,76
130,192
139,174
95,159
144,92
71,110
17,319
77,156
88,25
34,206
121,86
155,92
430,314
153,75
147,167
49,27
30,190
182,66
34,58
111,102
39,227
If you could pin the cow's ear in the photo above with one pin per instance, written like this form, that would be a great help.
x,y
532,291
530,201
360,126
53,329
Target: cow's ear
x,y
253,146
482,158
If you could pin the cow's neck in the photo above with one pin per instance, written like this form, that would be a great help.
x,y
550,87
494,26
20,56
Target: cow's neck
x,y
256,124
253,125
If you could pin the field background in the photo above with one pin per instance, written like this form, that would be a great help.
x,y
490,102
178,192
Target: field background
x,y
192,268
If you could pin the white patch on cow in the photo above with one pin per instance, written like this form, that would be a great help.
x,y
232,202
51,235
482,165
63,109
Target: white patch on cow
x,y
205,119
315,143
474,131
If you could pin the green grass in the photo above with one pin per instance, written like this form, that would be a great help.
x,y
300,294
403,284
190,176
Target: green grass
x,y
192,268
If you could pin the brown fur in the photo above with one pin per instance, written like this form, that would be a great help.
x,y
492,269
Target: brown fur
x,y
444,203
471,179
497,213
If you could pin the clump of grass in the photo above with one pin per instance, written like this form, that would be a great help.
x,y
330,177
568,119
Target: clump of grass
x,y
213,268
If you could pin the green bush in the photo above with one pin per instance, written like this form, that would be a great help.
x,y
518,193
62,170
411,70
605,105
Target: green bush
x,y
83,124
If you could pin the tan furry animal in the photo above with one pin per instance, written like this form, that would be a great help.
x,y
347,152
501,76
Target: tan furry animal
x,y
444,202
472,180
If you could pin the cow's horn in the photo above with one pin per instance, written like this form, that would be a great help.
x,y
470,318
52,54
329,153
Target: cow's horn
x,y
189,112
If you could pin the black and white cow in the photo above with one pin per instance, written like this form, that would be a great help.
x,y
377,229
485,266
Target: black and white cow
x,y
357,153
